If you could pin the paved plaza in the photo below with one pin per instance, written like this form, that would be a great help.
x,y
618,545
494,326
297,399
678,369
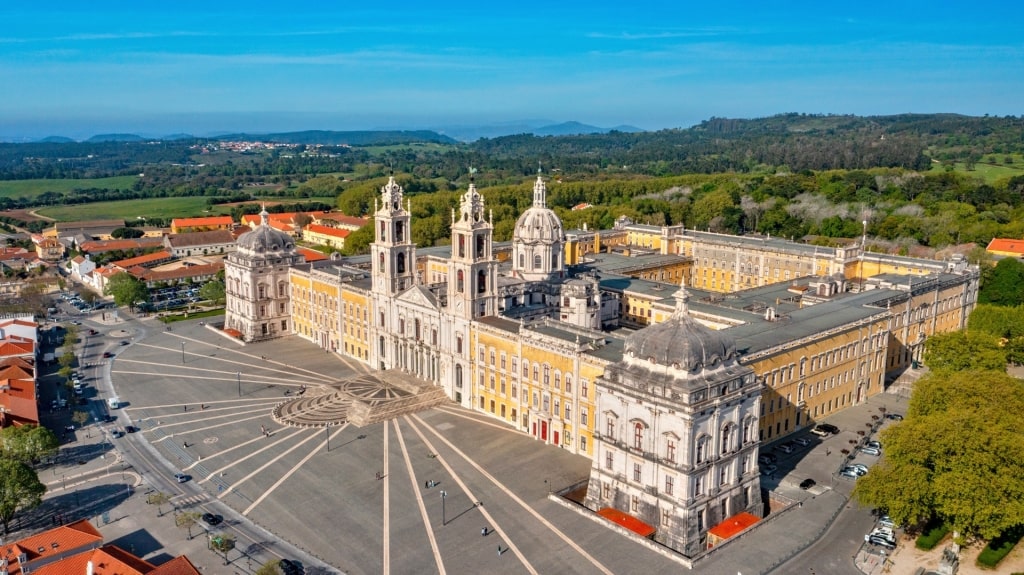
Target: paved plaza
x,y
410,494
311,456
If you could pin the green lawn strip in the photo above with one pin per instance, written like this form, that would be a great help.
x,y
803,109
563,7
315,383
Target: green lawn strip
x,y
999,547
33,188
132,209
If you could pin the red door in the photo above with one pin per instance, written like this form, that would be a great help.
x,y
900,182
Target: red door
x,y
554,434
544,430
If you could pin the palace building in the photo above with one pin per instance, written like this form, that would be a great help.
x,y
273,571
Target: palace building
x,y
583,339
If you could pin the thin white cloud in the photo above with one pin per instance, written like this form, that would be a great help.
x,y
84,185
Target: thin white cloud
x,y
661,35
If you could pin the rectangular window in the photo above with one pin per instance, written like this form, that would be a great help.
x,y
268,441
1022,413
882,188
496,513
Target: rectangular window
x,y
636,503
583,444
583,416
636,472
568,411
669,484
609,460
584,386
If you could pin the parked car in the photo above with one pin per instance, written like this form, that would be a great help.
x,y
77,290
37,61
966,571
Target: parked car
x,y
807,484
767,458
886,521
182,477
803,441
768,469
860,467
873,443
130,429
871,451
108,354
825,429
880,541
859,470
849,473
894,416
787,447
117,433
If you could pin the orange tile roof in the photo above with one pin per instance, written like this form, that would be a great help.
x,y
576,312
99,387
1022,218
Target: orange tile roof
x,y
311,255
328,231
106,560
109,245
284,217
206,221
180,565
1006,245
10,348
79,534
15,372
628,521
144,259
733,525
346,220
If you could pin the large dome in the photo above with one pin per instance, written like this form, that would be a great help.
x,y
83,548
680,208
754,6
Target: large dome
x,y
681,342
265,239
538,225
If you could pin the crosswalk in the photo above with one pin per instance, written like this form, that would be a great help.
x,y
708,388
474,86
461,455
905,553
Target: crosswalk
x,y
190,500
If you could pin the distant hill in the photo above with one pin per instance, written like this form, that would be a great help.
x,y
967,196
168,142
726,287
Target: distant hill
x,y
354,138
174,137
56,140
577,128
116,138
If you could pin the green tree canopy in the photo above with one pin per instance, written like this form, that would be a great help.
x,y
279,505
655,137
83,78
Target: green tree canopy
x,y
20,489
1003,284
358,242
126,289
27,443
213,290
965,349
127,233
958,455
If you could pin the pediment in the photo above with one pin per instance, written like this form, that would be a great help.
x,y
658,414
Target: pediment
x,y
418,296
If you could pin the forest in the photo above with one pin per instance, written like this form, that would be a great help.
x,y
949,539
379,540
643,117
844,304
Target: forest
x,y
918,181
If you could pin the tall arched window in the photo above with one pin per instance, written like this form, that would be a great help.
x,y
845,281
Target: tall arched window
x,y
702,449
460,281
479,246
458,376
522,261
536,262
383,231
399,231
382,261
481,281
400,263
727,437
462,246
638,435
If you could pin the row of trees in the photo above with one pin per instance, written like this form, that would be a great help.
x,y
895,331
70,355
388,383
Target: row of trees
x,y
20,488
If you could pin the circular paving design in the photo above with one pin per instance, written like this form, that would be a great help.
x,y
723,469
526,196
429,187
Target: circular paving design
x,y
359,401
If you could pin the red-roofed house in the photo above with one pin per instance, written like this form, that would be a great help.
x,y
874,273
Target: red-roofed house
x,y
100,246
82,266
186,225
184,274
325,235
342,221
1006,247
146,261
77,549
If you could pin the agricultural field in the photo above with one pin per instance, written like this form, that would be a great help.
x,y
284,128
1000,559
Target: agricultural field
x,y
34,188
989,172
132,209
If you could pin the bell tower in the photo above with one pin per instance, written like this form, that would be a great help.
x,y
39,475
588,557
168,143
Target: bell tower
x,y
394,255
472,290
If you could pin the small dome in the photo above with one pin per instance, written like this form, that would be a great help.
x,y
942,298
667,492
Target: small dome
x,y
681,342
265,239
538,225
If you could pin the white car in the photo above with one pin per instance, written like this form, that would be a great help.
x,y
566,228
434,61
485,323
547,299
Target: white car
x,y
871,451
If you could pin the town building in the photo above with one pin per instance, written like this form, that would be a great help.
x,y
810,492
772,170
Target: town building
x,y
213,242
190,225
325,236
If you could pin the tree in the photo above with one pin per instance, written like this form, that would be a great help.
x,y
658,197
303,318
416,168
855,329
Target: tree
x,y
962,350
158,498
1003,284
20,489
187,520
27,443
126,289
213,291
80,417
302,220
272,567
957,456
358,242
223,542
127,233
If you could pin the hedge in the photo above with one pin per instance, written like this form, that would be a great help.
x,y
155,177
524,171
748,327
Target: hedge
x,y
932,534
996,549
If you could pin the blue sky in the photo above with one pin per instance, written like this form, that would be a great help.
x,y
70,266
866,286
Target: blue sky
x,y
80,68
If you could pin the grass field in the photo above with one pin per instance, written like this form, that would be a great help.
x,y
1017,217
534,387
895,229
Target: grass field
x,y
131,209
33,188
989,172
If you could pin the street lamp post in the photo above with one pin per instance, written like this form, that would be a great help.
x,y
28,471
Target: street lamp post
x,y
327,432
444,520
238,375
183,353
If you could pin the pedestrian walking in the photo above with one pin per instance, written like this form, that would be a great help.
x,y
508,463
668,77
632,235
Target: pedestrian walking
x,y
185,407
828,452
184,444
483,532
